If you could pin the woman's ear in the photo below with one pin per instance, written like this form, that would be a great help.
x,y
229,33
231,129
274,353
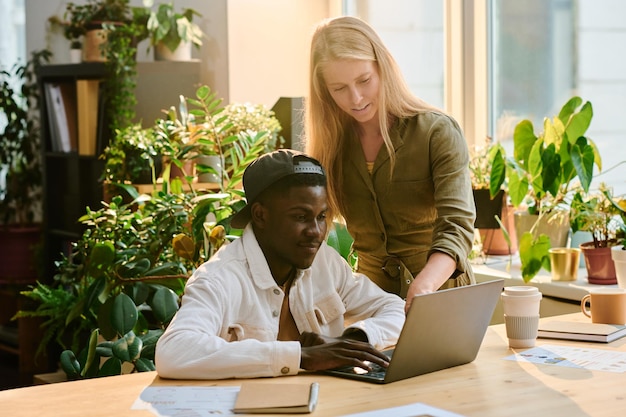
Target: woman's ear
x,y
258,214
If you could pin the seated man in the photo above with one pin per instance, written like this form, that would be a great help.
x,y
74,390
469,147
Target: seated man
x,y
277,300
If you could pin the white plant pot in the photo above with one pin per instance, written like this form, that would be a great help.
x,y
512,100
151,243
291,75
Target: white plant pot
x,y
76,56
212,161
182,53
619,258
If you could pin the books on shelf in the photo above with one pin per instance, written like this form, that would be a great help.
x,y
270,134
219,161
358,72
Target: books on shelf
x,y
61,103
87,93
578,328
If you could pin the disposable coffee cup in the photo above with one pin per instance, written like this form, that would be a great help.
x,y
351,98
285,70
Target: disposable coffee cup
x,y
521,315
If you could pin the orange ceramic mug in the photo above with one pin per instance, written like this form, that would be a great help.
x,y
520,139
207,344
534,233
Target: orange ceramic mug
x,y
607,305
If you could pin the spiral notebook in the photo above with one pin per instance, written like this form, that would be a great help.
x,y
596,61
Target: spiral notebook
x,y
442,329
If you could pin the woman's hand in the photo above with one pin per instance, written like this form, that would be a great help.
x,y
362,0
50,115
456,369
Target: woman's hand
x,y
436,272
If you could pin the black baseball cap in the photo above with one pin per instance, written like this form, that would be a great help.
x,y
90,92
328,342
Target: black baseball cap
x,y
268,169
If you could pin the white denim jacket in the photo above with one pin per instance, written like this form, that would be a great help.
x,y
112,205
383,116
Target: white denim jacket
x,y
228,321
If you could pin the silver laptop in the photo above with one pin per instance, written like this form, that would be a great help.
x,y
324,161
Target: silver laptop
x,y
442,329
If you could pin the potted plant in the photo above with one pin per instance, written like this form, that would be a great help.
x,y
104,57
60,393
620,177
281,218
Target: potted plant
x,y
133,156
618,251
20,170
111,30
94,20
494,215
544,169
125,274
173,33
595,213
74,33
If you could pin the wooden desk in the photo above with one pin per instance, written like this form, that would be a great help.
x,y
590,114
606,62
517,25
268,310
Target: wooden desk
x,y
489,386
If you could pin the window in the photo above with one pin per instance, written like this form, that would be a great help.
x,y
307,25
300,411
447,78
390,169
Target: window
x,y
12,33
544,52
492,63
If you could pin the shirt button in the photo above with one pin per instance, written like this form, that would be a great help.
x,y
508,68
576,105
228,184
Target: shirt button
x,y
276,291
275,313
285,370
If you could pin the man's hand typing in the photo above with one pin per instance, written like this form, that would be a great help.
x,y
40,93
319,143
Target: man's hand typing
x,y
323,352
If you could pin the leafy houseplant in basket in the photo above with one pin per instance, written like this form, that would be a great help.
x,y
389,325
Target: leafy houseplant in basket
x,y
543,170
20,170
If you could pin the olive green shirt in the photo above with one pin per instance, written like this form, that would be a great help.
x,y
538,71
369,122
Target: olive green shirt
x,y
425,206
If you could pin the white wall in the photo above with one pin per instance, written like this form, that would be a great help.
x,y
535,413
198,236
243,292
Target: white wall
x,y
255,51
268,47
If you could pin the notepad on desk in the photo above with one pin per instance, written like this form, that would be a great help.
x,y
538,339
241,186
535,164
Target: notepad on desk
x,y
578,330
264,398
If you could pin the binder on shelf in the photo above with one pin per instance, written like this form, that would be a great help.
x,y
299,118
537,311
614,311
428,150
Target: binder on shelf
x,y
59,114
55,141
87,92
68,93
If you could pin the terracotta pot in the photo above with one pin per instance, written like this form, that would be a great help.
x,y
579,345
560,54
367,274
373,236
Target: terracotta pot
x,y
18,254
618,254
92,50
600,266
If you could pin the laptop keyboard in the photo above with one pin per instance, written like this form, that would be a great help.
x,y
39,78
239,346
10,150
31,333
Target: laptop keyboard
x,y
376,372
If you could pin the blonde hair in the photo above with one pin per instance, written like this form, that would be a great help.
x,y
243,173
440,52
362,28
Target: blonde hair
x,y
326,124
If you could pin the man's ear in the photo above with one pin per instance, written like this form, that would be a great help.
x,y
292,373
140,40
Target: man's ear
x,y
258,214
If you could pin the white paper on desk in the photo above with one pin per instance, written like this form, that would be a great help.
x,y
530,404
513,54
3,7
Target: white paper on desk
x,y
574,357
411,410
177,401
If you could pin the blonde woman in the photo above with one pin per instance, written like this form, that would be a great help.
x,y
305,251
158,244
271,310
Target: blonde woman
x,y
397,167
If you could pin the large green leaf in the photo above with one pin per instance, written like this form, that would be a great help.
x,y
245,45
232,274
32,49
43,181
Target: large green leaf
x,y
340,240
551,172
579,123
518,186
498,172
535,167
582,159
104,319
533,254
569,108
92,295
524,138
123,314
135,268
70,364
127,348
112,366
150,340
102,256
164,304
91,351
144,365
